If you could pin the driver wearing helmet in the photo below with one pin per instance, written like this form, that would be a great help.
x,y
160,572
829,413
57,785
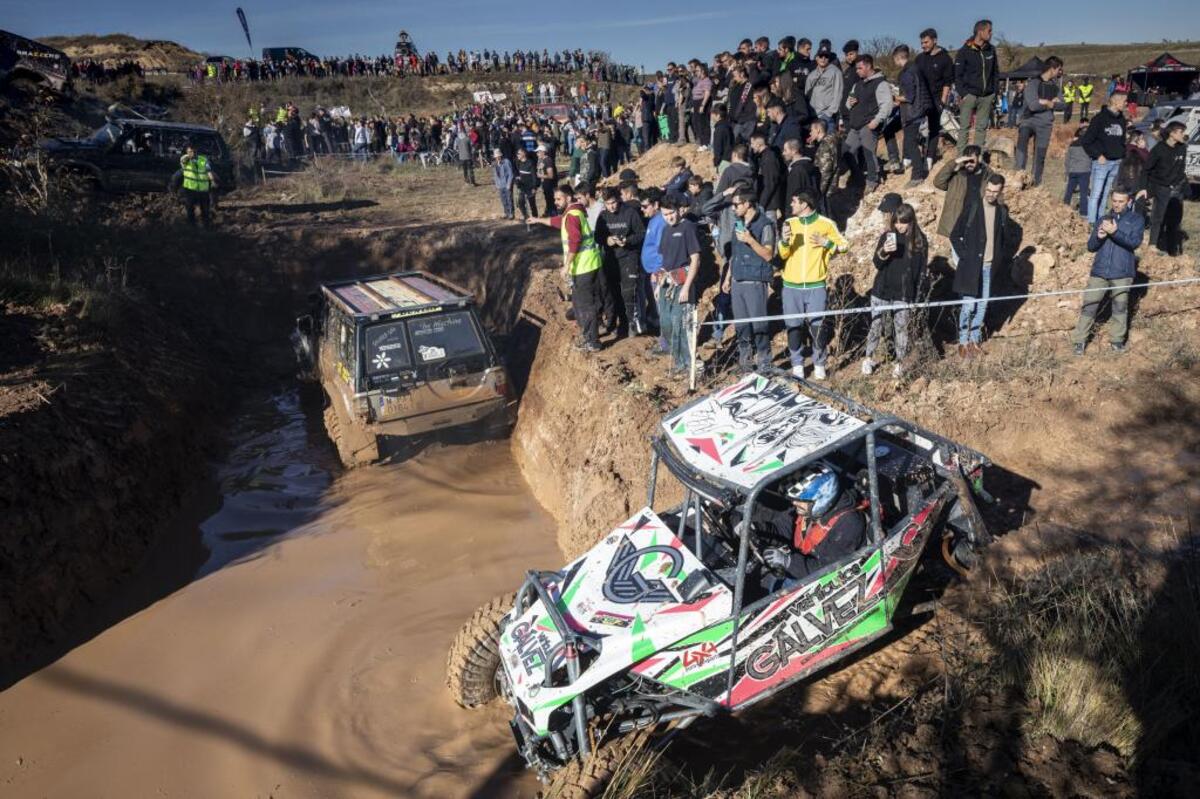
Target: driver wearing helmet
x,y
826,523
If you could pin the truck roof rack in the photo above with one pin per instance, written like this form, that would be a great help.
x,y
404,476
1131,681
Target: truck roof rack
x,y
395,293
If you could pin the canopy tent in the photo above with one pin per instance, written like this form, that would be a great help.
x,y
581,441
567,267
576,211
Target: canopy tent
x,y
1167,73
1030,69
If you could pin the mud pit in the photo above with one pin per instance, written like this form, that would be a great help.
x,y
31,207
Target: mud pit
x,y
307,658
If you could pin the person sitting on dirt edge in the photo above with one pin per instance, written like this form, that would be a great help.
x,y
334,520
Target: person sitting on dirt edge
x,y
825,524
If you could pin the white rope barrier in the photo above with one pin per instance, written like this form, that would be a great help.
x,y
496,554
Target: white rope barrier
x,y
901,306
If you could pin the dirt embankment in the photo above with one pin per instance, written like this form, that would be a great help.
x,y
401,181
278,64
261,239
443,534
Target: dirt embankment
x,y
102,422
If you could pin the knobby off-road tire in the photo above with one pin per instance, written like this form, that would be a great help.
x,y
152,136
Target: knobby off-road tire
x,y
588,779
354,448
475,654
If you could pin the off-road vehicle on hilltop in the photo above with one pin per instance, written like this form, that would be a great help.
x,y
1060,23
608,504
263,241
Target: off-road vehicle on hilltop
x,y
139,155
401,355
22,58
676,615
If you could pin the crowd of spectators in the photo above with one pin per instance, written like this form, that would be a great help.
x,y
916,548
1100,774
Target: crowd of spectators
x,y
596,65
795,134
97,72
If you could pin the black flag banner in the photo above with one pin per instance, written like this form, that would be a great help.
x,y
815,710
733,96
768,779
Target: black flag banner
x,y
241,15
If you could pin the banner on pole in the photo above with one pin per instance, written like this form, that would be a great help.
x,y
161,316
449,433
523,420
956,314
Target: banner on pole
x,y
241,15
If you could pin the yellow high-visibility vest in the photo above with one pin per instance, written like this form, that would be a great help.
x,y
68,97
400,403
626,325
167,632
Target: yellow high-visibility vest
x,y
587,258
195,173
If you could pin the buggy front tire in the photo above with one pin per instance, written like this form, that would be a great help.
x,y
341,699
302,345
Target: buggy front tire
x,y
589,778
473,664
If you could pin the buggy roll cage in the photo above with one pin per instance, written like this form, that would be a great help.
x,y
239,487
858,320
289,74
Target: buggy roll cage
x,y
727,495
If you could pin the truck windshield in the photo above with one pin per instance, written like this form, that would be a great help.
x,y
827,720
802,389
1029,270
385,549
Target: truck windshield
x,y
386,349
439,338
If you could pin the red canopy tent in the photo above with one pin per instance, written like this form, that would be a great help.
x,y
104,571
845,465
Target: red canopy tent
x,y
1170,75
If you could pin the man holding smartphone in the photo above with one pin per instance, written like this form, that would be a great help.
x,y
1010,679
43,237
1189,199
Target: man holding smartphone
x,y
1115,239
748,279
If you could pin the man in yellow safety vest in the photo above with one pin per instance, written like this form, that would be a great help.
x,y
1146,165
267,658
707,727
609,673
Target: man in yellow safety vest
x,y
1068,95
198,180
1084,92
581,263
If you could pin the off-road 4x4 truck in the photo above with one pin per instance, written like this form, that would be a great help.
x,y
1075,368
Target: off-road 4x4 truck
x,y
401,355
667,618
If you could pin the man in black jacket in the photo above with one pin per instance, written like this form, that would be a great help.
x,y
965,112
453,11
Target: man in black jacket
x,y
1104,142
802,175
937,71
978,242
770,177
914,109
1166,186
742,113
784,125
722,135
975,80
620,231
526,181
867,110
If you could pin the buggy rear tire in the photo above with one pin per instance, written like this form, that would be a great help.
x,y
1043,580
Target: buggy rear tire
x,y
354,448
590,778
474,659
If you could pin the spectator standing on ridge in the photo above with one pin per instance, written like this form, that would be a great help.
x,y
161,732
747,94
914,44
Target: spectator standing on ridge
x,y
937,70
975,82
1040,97
802,175
1166,186
1079,169
722,137
748,279
978,241
1114,240
581,264
526,181
901,255
827,158
824,89
867,109
547,172
651,200
502,179
769,175
807,243
1104,142
965,175
915,103
620,230
680,250
466,156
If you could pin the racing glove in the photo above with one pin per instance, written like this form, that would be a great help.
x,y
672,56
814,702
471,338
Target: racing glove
x,y
777,558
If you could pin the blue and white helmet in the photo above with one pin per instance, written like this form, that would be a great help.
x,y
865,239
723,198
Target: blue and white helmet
x,y
819,486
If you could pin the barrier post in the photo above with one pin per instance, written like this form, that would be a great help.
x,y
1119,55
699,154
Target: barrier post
x,y
693,335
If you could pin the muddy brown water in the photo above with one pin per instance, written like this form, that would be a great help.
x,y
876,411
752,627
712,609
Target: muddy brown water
x,y
306,658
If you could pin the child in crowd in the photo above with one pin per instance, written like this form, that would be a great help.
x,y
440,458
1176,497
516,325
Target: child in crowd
x,y
1079,171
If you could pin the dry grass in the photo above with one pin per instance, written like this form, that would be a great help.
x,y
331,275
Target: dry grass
x,y
1083,637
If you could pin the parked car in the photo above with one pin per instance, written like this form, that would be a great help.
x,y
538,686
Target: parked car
x,y
286,53
400,356
139,155
681,613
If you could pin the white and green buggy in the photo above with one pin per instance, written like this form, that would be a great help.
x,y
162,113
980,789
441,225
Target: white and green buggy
x,y
665,620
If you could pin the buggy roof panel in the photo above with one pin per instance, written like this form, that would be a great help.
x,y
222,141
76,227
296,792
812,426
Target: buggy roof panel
x,y
403,291
754,428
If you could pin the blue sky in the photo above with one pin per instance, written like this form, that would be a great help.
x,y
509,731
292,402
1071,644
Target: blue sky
x,y
634,31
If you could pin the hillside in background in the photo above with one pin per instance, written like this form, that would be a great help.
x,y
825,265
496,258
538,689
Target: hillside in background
x,y
151,53
1084,58
1097,59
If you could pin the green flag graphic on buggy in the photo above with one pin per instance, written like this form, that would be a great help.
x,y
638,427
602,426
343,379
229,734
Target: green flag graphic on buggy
x,y
638,590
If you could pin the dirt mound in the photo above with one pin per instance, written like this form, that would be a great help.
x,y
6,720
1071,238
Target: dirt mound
x,y
115,47
654,168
